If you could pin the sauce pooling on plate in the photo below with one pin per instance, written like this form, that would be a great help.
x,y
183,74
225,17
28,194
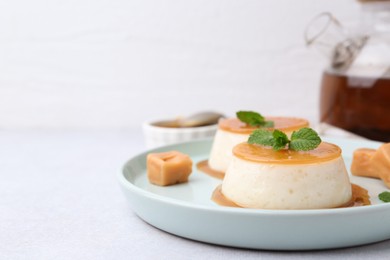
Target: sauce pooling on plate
x,y
204,167
360,197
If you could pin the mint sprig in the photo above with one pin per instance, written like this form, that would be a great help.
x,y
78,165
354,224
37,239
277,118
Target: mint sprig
x,y
280,139
253,119
384,196
304,139
261,136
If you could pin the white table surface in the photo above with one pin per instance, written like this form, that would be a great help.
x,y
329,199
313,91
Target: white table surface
x,y
59,199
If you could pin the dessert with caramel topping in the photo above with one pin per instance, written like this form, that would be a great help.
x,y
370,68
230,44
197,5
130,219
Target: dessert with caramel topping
x,y
232,131
261,177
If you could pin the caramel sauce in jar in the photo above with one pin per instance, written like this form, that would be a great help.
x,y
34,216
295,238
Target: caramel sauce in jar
x,y
357,104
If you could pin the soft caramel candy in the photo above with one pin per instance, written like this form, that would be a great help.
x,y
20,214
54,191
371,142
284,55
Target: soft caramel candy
x,y
168,168
372,163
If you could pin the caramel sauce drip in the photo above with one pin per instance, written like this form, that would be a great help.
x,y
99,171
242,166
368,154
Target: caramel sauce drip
x,y
360,197
261,154
285,124
204,167
220,199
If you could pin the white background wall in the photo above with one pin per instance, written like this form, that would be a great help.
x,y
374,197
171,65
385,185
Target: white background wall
x,y
116,63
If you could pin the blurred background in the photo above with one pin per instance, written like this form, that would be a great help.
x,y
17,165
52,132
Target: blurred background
x,y
116,63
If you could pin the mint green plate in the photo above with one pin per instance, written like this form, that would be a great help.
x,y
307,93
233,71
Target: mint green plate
x,y
186,210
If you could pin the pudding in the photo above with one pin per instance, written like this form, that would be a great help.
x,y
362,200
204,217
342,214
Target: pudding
x,y
232,132
260,177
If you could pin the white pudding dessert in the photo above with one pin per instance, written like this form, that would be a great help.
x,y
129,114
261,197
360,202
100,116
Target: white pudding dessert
x,y
232,131
260,177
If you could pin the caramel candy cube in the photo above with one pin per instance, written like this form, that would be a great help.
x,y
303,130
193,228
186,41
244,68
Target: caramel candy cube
x,y
168,168
372,163
361,163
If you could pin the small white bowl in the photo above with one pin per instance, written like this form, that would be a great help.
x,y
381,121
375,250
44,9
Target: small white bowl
x,y
156,136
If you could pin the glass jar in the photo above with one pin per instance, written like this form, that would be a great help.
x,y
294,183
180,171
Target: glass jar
x,y
355,88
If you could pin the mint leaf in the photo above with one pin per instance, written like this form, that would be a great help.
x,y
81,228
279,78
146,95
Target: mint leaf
x,y
304,139
253,119
384,196
277,139
261,136
280,139
250,117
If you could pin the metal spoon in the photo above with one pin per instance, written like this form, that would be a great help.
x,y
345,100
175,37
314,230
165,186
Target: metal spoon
x,y
198,119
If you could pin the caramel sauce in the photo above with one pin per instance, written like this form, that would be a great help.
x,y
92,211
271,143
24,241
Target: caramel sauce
x,y
360,197
285,124
221,200
257,153
357,104
204,167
